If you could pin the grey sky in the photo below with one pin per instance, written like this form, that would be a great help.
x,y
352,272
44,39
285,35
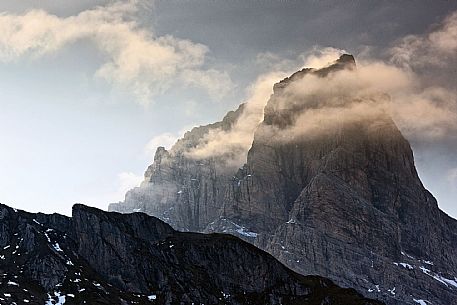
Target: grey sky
x,y
69,136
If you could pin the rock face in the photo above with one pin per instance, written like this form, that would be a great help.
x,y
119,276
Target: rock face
x,y
98,257
185,192
345,202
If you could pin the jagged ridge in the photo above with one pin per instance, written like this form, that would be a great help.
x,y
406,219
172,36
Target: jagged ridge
x,y
98,257
347,204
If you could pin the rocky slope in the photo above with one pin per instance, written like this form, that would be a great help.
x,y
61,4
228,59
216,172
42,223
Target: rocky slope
x,y
345,202
98,257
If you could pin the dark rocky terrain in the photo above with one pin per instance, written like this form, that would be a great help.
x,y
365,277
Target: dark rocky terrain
x,y
98,257
345,203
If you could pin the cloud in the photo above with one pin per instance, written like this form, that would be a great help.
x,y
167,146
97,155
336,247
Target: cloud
x,y
372,91
136,58
445,38
319,57
419,98
375,89
428,115
127,181
432,48
166,140
114,191
235,143
216,83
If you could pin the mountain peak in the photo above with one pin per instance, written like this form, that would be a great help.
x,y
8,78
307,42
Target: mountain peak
x,y
345,61
339,197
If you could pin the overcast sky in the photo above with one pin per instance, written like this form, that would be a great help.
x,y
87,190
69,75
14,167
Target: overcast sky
x,y
89,88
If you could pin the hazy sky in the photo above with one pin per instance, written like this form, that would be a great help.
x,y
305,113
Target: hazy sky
x,y
87,91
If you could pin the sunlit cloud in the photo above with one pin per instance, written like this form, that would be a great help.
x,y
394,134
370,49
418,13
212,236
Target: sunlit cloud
x,y
319,57
136,58
234,144
375,88
432,48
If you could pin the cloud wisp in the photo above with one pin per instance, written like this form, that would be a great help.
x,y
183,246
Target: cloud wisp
x,y
424,111
346,96
432,48
135,58
235,143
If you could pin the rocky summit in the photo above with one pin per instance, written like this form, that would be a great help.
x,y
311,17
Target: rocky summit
x,y
337,197
97,257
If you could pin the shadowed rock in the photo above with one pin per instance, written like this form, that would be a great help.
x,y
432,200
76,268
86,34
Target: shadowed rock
x,y
98,257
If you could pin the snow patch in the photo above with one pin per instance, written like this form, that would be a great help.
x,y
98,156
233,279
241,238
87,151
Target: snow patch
x,y
407,255
405,265
234,227
246,233
57,247
420,302
60,299
447,282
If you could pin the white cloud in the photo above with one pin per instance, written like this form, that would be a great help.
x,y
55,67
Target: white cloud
x,y
136,59
166,140
319,57
127,181
114,191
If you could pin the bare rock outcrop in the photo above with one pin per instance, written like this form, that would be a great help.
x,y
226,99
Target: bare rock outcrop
x,y
343,202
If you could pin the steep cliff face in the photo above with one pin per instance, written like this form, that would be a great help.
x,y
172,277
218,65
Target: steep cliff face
x,y
187,193
97,257
343,201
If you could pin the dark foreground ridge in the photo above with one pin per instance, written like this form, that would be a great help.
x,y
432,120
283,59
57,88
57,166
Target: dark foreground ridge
x,y
98,257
